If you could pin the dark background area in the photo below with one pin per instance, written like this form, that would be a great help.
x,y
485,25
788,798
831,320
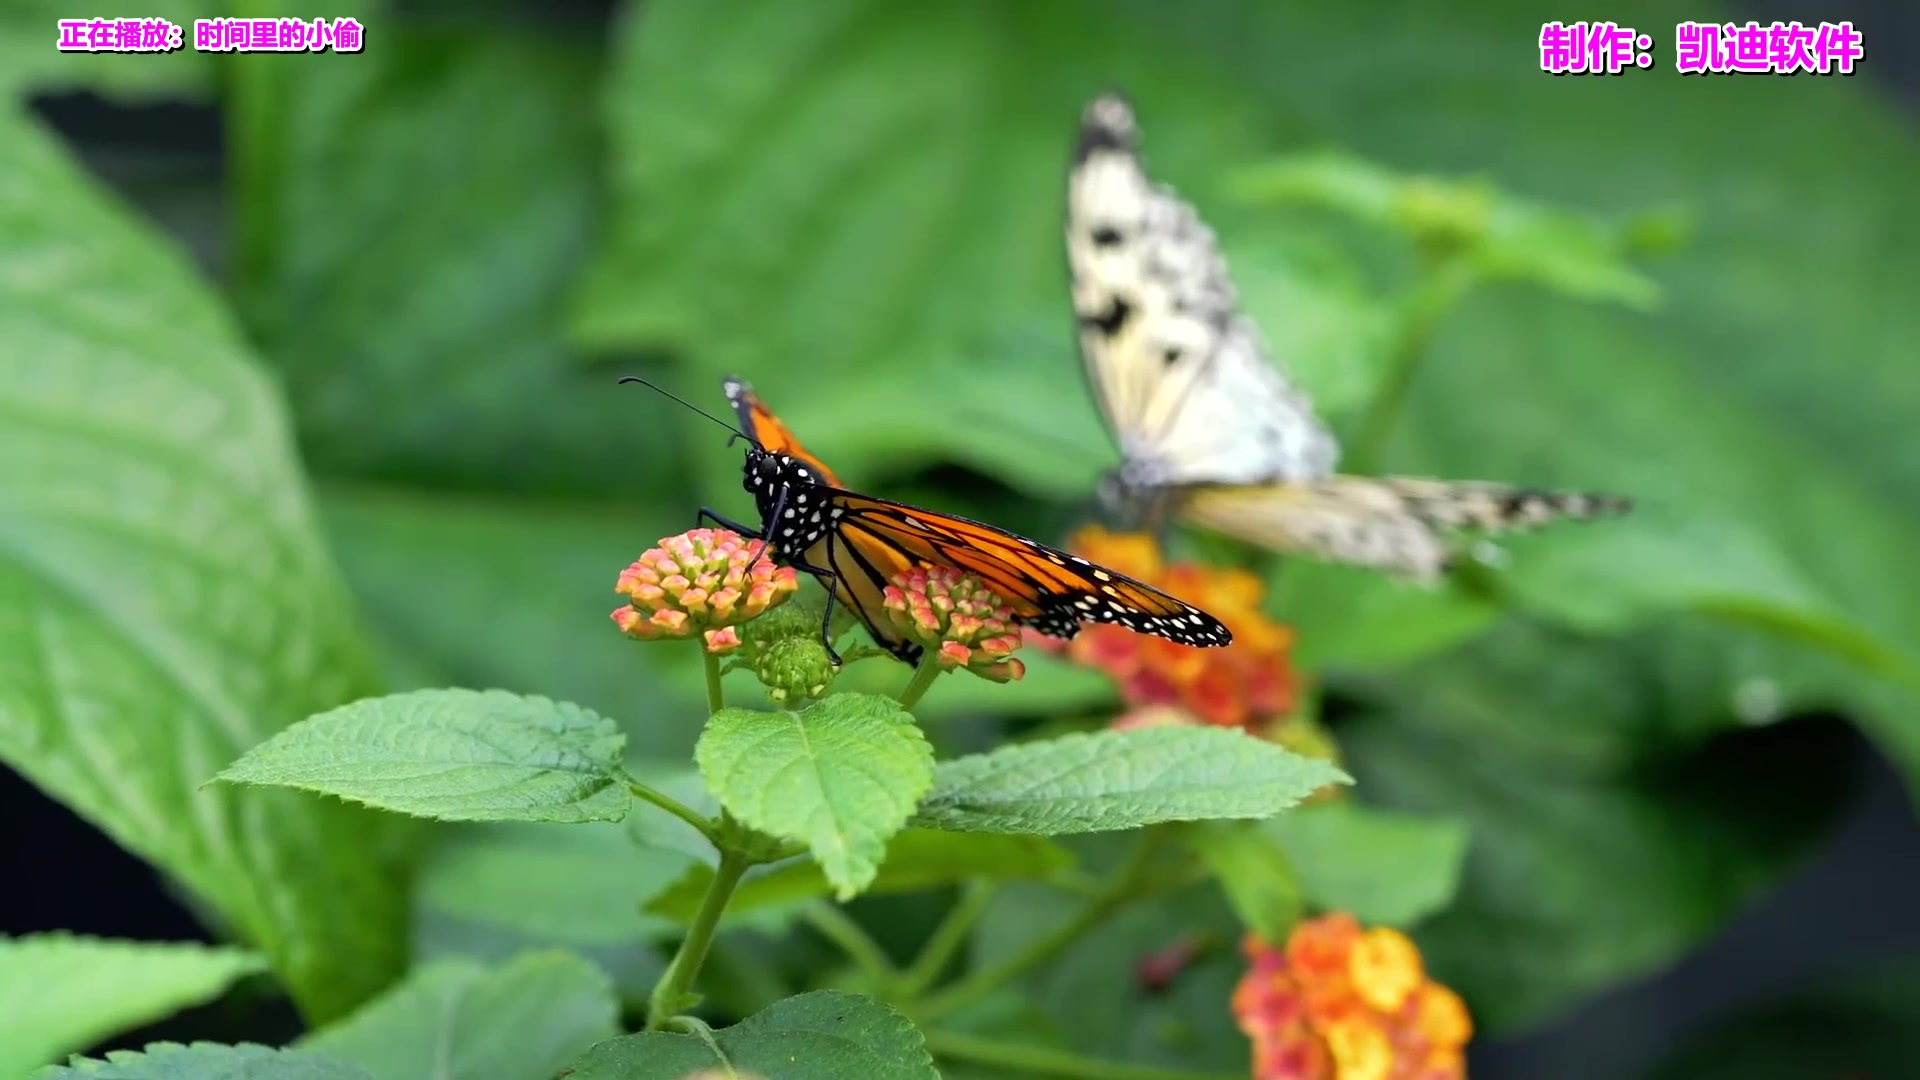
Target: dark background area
x,y
1849,906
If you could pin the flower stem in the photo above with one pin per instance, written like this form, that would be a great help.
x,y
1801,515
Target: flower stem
x,y
715,699
947,938
837,926
675,807
1438,291
671,993
1043,1061
923,675
1121,890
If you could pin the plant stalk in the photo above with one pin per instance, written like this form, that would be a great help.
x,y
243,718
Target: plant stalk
x,y
947,938
671,805
923,675
671,993
830,922
1431,299
1119,892
716,700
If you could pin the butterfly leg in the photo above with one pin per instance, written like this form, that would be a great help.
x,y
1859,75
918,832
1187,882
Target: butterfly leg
x,y
831,580
706,515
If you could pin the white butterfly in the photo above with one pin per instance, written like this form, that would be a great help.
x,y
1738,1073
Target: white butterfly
x,y
1210,430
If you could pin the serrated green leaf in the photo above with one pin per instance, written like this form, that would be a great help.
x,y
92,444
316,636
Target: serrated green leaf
x,y
841,776
165,601
207,1061
823,1035
1259,881
61,993
456,1020
916,859
455,755
1383,867
1121,780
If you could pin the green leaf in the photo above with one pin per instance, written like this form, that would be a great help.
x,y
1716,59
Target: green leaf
x,y
1505,236
916,859
208,1061
61,993
455,755
455,1020
823,1035
1383,867
1121,780
489,892
567,884
29,63
1254,873
841,776
413,336
165,601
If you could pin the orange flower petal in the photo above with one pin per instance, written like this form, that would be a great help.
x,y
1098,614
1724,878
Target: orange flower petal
x,y
1385,967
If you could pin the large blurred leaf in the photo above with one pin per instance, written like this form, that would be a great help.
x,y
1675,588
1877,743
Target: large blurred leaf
x,y
488,892
411,219
858,207
62,993
29,63
165,602
1611,833
455,1020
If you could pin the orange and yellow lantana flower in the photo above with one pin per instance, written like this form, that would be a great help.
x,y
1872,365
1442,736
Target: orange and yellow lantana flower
x,y
1342,1003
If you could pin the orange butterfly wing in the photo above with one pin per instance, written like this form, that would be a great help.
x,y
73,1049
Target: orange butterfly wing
x,y
1051,590
766,429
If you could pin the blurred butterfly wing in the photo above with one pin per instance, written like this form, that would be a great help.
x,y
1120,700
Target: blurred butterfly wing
x,y
759,421
1051,590
1181,375
1398,524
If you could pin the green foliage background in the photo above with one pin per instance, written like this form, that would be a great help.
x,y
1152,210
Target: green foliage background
x,y
382,446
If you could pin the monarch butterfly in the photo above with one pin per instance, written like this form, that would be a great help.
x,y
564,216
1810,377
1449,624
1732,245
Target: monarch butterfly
x,y
1209,429
855,543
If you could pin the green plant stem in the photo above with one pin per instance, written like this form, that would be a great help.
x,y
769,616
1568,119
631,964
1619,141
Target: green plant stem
x,y
923,675
946,939
1042,1061
671,992
1431,299
716,700
674,806
834,924
1121,890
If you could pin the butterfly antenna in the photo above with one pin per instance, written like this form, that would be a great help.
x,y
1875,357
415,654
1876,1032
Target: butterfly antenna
x,y
737,433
